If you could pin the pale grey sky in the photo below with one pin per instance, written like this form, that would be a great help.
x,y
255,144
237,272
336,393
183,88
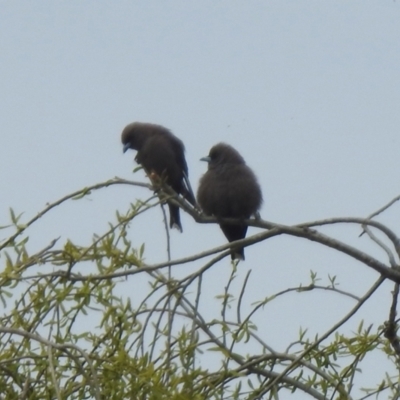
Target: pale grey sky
x,y
307,91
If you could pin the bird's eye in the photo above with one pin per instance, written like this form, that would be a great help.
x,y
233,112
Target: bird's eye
x,y
213,155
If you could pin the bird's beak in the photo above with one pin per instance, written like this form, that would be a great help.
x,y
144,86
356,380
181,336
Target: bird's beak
x,y
206,159
126,147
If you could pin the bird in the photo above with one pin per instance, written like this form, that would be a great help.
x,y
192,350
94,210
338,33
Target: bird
x,y
229,189
162,155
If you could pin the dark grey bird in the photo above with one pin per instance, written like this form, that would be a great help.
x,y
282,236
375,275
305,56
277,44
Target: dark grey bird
x,y
161,154
229,189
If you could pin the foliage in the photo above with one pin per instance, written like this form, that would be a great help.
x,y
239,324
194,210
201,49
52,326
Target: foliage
x,y
164,346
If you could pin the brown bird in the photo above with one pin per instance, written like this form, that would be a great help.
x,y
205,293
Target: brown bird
x,y
229,189
162,155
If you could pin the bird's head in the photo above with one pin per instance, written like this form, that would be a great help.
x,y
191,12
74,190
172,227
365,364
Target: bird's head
x,y
223,153
134,135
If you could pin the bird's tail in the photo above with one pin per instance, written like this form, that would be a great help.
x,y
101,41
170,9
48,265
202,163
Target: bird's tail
x,y
238,254
235,232
174,217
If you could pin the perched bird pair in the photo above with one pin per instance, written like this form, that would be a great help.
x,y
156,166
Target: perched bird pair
x,y
229,189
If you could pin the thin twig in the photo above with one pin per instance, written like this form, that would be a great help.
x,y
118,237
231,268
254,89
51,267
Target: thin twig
x,y
326,334
384,208
239,305
79,193
53,373
382,245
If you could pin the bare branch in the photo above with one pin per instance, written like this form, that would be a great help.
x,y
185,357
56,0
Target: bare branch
x,y
390,331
